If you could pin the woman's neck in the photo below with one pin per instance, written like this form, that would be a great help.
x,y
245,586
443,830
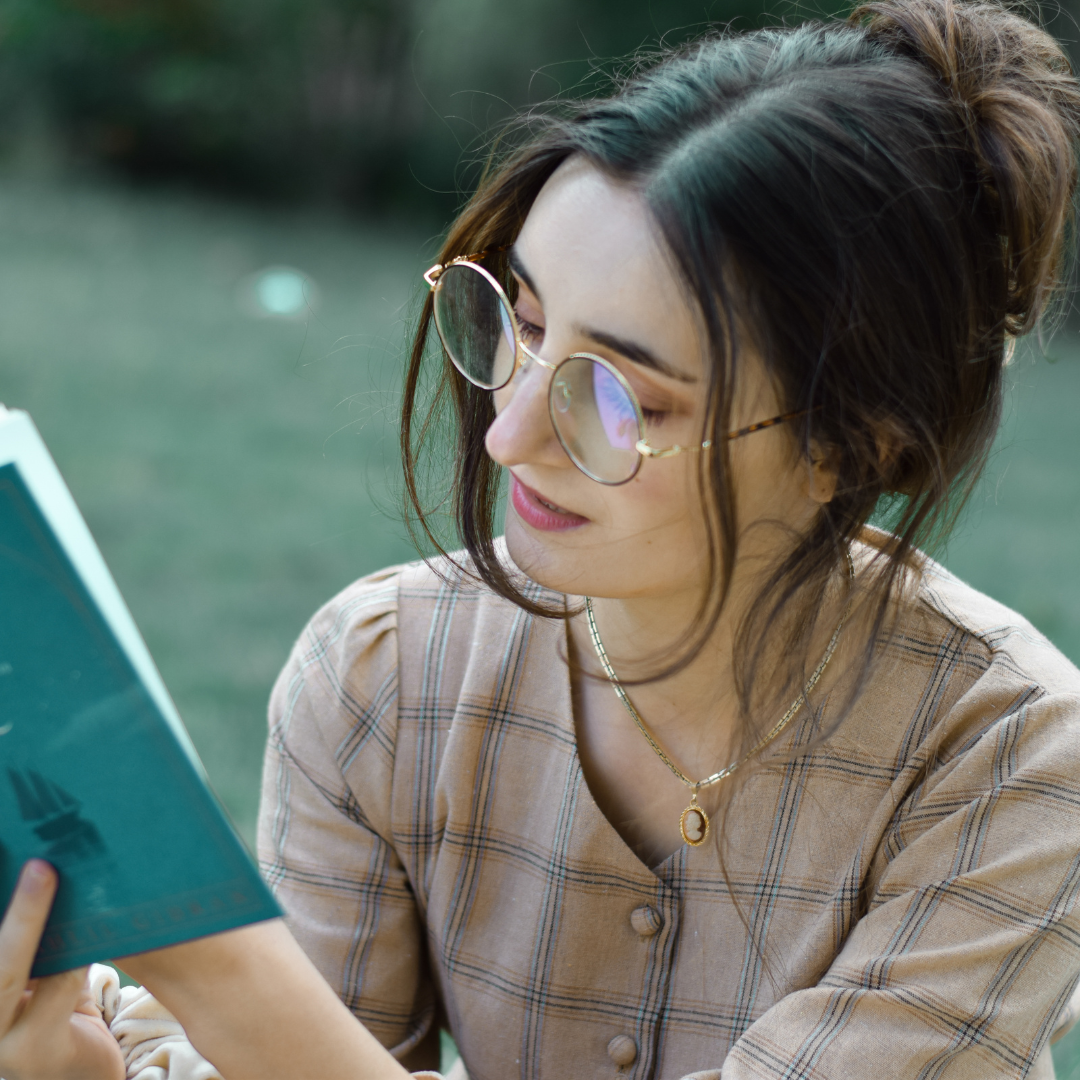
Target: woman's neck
x,y
695,710
693,713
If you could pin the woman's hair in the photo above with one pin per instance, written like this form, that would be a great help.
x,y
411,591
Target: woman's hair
x,y
876,207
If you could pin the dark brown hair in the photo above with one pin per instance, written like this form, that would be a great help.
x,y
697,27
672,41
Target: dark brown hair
x,y
881,203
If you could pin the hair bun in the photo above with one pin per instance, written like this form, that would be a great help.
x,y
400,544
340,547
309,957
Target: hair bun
x,y
1020,104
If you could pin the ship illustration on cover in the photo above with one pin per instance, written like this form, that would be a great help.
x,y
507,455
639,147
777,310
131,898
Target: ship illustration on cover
x,y
56,818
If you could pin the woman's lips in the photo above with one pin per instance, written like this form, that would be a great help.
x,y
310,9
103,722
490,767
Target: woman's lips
x,y
539,513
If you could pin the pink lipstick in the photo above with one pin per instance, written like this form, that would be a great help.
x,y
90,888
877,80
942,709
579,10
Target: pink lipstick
x,y
538,512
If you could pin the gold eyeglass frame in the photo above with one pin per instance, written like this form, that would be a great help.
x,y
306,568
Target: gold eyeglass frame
x,y
523,354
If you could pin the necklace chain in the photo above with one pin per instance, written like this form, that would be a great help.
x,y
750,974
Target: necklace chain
x,y
782,723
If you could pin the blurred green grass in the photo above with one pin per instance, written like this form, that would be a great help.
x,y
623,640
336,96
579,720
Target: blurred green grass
x,y
239,471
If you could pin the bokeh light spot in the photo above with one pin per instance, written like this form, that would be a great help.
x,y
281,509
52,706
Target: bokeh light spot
x,y
282,291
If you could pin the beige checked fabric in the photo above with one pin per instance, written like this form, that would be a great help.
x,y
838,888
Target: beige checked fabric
x,y
906,892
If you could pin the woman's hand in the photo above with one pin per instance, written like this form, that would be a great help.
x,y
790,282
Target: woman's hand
x,y
50,1028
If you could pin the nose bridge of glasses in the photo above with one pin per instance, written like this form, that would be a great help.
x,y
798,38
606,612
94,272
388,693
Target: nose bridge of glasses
x,y
529,375
530,355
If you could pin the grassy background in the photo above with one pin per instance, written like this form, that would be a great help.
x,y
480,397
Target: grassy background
x,y
238,471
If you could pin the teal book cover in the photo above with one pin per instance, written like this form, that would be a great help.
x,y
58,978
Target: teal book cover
x,y
97,775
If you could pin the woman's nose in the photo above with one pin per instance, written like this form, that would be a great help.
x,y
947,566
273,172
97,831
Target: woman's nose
x,y
521,432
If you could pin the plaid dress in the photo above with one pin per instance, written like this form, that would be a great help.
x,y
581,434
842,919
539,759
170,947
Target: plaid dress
x,y
898,902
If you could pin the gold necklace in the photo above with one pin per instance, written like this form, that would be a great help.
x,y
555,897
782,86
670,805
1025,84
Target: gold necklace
x,y
694,822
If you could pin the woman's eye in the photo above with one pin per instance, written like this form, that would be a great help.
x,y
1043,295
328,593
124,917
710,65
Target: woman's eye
x,y
530,332
654,416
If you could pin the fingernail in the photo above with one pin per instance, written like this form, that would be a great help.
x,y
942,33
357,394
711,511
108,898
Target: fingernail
x,y
36,876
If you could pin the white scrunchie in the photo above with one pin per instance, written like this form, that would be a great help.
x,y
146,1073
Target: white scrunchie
x,y
457,1072
151,1038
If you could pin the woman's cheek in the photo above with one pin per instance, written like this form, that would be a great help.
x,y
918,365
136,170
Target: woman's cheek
x,y
668,489
656,511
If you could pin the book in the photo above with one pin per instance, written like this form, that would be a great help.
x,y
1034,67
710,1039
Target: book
x,y
97,773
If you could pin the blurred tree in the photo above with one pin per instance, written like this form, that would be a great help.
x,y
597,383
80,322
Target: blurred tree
x,y
267,96
365,102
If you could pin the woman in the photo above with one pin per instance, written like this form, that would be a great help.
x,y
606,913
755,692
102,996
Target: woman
x,y
825,824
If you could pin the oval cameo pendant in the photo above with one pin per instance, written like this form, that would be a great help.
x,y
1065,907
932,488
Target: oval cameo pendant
x,y
694,825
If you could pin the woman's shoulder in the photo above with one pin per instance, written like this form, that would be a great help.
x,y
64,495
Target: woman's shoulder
x,y
347,659
1010,648
958,672
341,675
403,600
969,676
946,625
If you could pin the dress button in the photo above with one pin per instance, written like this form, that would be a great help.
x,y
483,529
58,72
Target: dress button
x,y
622,1050
646,920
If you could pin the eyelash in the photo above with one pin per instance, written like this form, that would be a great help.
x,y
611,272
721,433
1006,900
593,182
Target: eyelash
x,y
531,333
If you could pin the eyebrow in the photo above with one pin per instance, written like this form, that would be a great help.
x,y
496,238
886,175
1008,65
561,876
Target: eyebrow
x,y
638,354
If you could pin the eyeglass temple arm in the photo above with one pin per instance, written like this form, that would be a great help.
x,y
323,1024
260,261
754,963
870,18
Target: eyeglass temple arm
x,y
783,418
642,446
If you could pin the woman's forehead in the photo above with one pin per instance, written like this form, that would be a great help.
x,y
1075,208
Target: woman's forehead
x,y
592,252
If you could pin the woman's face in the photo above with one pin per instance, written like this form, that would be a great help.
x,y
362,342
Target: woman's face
x,y
593,277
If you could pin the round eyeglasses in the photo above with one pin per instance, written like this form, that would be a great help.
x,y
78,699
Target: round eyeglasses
x,y
594,411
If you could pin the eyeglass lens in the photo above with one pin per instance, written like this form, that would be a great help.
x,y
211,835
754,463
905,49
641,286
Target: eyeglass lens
x,y
594,416
595,420
476,326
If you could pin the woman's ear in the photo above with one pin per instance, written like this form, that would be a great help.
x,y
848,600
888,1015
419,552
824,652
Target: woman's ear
x,y
822,475
891,438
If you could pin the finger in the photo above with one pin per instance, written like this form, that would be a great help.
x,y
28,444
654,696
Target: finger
x,y
20,933
87,1003
54,1000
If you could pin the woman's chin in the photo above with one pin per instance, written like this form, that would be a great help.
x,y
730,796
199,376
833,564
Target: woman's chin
x,y
539,558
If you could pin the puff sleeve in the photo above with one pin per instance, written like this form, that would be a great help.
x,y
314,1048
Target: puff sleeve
x,y
325,843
